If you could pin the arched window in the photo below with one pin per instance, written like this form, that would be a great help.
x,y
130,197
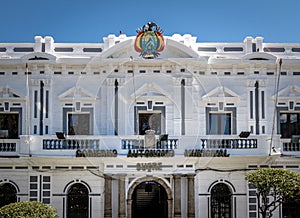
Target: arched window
x,y
221,201
78,201
8,194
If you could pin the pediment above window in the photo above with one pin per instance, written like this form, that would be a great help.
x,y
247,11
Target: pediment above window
x,y
77,93
221,94
149,91
38,57
8,93
289,93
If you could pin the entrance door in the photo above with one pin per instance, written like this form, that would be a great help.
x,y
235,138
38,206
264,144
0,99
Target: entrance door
x,y
149,200
77,201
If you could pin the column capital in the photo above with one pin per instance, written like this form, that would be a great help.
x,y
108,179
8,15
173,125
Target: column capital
x,y
191,176
177,176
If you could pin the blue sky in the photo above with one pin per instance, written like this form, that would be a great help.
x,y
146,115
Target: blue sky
x,y
208,20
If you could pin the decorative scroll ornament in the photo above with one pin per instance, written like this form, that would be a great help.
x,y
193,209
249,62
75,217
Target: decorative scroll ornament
x,y
149,41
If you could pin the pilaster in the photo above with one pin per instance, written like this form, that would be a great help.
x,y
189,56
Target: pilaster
x,y
122,200
191,195
177,196
107,197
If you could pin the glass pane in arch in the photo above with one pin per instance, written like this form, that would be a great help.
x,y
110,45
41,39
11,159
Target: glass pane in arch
x,y
77,201
221,201
8,194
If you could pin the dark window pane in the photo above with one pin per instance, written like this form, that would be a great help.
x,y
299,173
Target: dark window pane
x,y
289,124
46,186
33,186
46,179
9,125
46,193
33,193
33,178
78,124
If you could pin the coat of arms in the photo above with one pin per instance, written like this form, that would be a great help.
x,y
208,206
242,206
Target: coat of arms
x,y
149,41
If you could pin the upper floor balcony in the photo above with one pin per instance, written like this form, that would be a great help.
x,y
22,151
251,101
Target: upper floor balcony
x,y
107,146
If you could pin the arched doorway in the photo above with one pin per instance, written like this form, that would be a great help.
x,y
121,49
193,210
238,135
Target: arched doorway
x,y
78,201
221,201
152,189
8,194
149,200
291,208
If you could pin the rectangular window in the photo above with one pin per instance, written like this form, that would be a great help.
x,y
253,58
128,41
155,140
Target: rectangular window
x,y
263,104
251,104
33,193
9,125
263,129
79,124
219,123
40,188
35,104
289,124
47,104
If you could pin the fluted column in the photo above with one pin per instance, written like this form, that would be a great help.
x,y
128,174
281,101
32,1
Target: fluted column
x,y
191,196
122,200
107,197
177,195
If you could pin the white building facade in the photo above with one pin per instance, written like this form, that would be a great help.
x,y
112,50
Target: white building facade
x,y
101,130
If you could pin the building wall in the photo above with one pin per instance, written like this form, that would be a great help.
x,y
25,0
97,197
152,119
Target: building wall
x,y
186,83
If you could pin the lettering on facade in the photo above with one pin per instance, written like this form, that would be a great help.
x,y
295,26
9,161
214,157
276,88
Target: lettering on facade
x,y
148,167
150,153
205,153
97,153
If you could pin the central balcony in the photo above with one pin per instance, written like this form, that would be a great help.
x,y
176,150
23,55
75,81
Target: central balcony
x,y
258,145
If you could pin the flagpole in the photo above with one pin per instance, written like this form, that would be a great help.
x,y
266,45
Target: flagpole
x,y
272,147
27,104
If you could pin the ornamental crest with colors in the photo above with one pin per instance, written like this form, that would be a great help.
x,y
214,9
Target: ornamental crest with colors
x,y
149,41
